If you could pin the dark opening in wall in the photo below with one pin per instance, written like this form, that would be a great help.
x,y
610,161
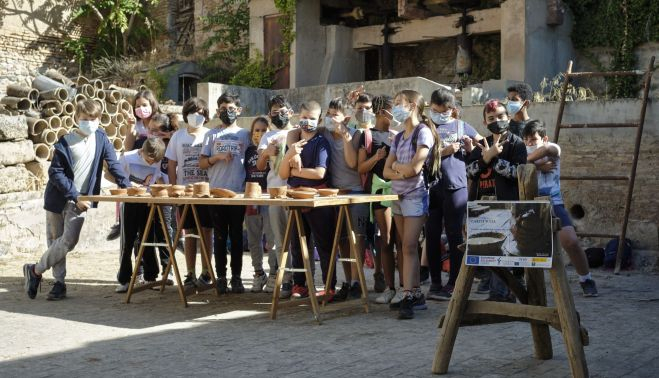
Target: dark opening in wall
x,y
577,212
187,86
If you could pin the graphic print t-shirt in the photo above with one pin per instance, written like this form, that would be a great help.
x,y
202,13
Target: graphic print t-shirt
x,y
185,148
251,172
139,172
227,174
453,168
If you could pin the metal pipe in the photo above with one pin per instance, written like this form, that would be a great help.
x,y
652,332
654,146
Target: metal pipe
x,y
606,74
56,75
118,119
596,125
98,84
122,131
561,108
59,94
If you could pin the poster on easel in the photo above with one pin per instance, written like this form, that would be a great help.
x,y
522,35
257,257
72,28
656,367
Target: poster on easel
x,y
509,234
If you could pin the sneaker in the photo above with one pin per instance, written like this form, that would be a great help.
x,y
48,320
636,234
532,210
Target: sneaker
x,y
114,233
483,287
221,285
32,280
299,292
270,284
499,298
330,297
386,296
419,301
589,288
203,280
259,282
237,285
394,304
355,291
189,281
170,279
444,294
286,290
121,288
343,292
406,308
379,286
57,292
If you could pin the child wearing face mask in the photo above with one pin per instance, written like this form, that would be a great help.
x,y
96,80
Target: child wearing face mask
x,y
183,168
413,150
143,168
257,220
540,150
363,116
223,155
448,198
519,99
492,167
271,151
144,106
374,147
75,170
314,152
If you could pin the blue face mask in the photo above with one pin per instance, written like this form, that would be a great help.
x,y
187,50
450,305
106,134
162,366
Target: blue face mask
x,y
308,125
513,107
400,113
88,127
441,118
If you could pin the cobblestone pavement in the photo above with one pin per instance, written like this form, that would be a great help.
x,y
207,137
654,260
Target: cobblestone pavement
x,y
93,332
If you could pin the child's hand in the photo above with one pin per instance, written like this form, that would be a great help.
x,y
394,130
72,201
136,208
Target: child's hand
x,y
490,153
296,148
130,119
225,156
452,148
381,153
546,166
296,163
83,205
468,144
273,149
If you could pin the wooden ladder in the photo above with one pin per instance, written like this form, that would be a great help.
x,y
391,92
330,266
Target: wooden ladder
x,y
569,75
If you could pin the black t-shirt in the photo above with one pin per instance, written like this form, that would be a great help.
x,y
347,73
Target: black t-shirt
x,y
517,127
252,174
380,139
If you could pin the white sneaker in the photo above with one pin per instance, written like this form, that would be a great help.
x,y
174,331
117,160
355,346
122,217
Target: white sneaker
x,y
400,294
121,288
270,285
258,283
386,296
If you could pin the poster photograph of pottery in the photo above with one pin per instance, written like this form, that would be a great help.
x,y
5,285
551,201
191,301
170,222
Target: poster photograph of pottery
x,y
509,234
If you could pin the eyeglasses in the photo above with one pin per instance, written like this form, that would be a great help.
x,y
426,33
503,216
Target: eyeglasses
x,y
282,111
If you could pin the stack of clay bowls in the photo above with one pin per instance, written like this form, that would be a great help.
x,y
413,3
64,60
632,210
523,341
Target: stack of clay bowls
x,y
328,192
136,191
118,191
201,190
158,190
277,192
176,191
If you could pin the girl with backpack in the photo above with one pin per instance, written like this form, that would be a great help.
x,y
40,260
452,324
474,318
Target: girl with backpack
x,y
448,197
412,163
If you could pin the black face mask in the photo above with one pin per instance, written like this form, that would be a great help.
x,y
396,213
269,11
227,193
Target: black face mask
x,y
498,127
280,120
228,117
516,127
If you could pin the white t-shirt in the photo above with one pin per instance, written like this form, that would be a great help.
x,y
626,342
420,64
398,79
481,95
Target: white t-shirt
x,y
138,170
185,148
274,180
83,151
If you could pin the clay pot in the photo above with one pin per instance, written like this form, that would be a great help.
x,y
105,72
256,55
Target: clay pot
x,y
298,194
118,192
159,190
253,190
306,189
176,191
136,191
278,192
328,192
201,190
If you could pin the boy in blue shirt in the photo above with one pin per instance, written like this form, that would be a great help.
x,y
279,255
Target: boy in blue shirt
x,y
314,151
75,170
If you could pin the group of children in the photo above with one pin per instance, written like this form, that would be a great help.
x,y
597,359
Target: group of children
x,y
431,159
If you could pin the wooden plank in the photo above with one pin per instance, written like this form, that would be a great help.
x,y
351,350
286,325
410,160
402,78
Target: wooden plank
x,y
335,248
265,200
311,287
171,248
567,315
357,257
456,308
548,315
283,257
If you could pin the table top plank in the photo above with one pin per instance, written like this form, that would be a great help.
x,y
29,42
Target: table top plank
x,y
346,199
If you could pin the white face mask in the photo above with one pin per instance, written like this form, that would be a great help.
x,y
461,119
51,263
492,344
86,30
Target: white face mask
x,y
400,113
88,127
329,123
530,149
196,120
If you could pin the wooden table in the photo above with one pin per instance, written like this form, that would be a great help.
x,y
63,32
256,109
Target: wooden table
x,y
294,220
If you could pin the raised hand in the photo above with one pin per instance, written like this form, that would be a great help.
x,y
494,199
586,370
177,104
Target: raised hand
x,y
297,147
381,153
273,148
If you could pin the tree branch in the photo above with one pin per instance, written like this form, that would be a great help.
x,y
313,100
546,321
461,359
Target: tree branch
x,y
95,10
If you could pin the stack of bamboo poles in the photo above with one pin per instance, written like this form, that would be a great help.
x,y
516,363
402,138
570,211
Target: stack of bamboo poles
x,y
49,106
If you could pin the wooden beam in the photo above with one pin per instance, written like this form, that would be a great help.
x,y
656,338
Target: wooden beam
x,y
486,21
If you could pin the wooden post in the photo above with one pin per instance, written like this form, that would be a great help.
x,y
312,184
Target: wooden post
x,y
335,248
283,256
172,258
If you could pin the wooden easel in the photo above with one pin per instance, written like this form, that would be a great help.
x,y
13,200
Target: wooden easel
x,y
464,312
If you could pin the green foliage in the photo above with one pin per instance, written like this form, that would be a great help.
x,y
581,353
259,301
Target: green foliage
x,y
254,72
228,25
157,81
552,90
287,22
116,34
620,25
77,48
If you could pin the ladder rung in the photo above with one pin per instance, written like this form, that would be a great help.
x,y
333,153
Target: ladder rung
x,y
606,74
347,260
596,235
596,178
597,125
294,270
155,245
194,236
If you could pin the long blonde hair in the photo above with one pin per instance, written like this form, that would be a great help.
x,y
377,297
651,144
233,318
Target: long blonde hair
x,y
416,98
